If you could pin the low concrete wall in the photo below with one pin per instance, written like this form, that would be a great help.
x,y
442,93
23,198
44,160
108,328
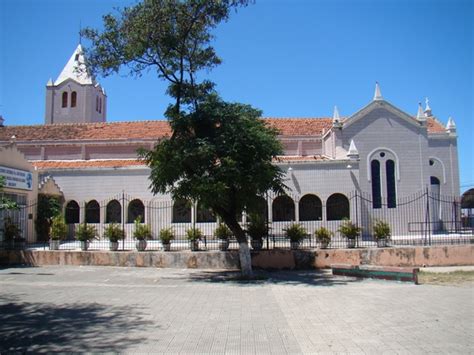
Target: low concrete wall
x,y
266,259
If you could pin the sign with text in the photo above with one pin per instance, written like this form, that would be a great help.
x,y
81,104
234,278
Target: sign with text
x,y
17,179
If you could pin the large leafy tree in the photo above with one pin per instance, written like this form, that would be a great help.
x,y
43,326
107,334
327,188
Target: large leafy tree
x,y
219,153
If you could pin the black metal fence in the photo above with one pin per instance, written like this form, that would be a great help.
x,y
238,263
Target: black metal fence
x,y
424,218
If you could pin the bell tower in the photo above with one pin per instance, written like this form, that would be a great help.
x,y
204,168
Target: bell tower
x,y
75,96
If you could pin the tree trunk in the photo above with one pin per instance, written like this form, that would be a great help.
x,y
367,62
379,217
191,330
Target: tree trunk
x,y
244,250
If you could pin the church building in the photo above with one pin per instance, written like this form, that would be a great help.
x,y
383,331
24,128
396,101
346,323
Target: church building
x,y
380,152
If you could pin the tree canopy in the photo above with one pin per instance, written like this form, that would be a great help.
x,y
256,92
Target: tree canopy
x,y
172,37
220,153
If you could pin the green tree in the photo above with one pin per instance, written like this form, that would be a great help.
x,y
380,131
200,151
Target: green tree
x,y
221,157
170,36
5,202
219,153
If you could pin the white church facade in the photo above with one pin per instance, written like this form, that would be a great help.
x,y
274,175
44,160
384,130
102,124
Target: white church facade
x,y
379,154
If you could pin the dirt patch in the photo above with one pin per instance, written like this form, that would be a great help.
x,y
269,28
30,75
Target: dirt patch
x,y
446,278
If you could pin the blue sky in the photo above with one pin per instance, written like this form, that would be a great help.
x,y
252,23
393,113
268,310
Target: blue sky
x,y
290,58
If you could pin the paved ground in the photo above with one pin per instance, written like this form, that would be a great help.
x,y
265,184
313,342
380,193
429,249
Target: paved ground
x,y
100,309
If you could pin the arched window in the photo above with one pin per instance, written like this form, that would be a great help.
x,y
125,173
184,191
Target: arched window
x,y
72,212
337,207
376,189
113,212
73,99
283,209
92,212
259,208
434,180
182,211
391,187
204,215
64,99
311,208
136,209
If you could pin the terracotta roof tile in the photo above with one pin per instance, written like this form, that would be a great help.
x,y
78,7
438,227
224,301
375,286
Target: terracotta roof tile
x,y
434,126
300,126
80,164
157,129
289,158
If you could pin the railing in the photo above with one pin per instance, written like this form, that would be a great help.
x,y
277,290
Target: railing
x,y
421,219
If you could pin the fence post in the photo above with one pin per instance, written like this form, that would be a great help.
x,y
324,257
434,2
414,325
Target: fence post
x,y
427,219
123,218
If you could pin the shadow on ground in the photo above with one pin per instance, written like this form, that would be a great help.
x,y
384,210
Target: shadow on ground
x,y
284,277
84,327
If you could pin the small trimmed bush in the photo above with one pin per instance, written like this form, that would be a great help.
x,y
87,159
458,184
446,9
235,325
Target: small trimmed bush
x,y
349,230
296,232
58,228
85,232
194,234
166,235
114,232
381,230
222,232
142,231
323,235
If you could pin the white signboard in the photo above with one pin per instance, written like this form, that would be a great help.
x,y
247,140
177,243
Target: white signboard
x,y
17,179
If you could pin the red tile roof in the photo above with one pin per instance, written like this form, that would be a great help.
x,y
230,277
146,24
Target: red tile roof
x,y
80,164
121,163
156,129
300,126
434,126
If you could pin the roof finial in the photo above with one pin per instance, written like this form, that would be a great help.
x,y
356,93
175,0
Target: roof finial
x,y
451,126
427,108
353,153
336,120
420,116
378,93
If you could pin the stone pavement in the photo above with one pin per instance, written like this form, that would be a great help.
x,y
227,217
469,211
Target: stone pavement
x,y
109,309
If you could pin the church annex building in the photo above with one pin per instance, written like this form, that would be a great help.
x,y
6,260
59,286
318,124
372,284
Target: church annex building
x,y
378,163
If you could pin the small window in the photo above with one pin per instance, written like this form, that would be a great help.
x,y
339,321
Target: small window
x,y
136,209
92,212
113,212
311,208
376,190
76,58
283,209
64,99
337,207
391,187
431,162
205,215
182,211
72,212
97,103
73,99
100,105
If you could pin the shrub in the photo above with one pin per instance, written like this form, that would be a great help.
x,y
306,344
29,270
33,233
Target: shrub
x,y
142,231
257,228
11,230
381,230
323,235
193,234
349,230
222,232
166,235
114,232
85,232
296,232
58,228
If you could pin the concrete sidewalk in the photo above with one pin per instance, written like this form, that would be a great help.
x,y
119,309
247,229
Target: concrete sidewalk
x,y
147,310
